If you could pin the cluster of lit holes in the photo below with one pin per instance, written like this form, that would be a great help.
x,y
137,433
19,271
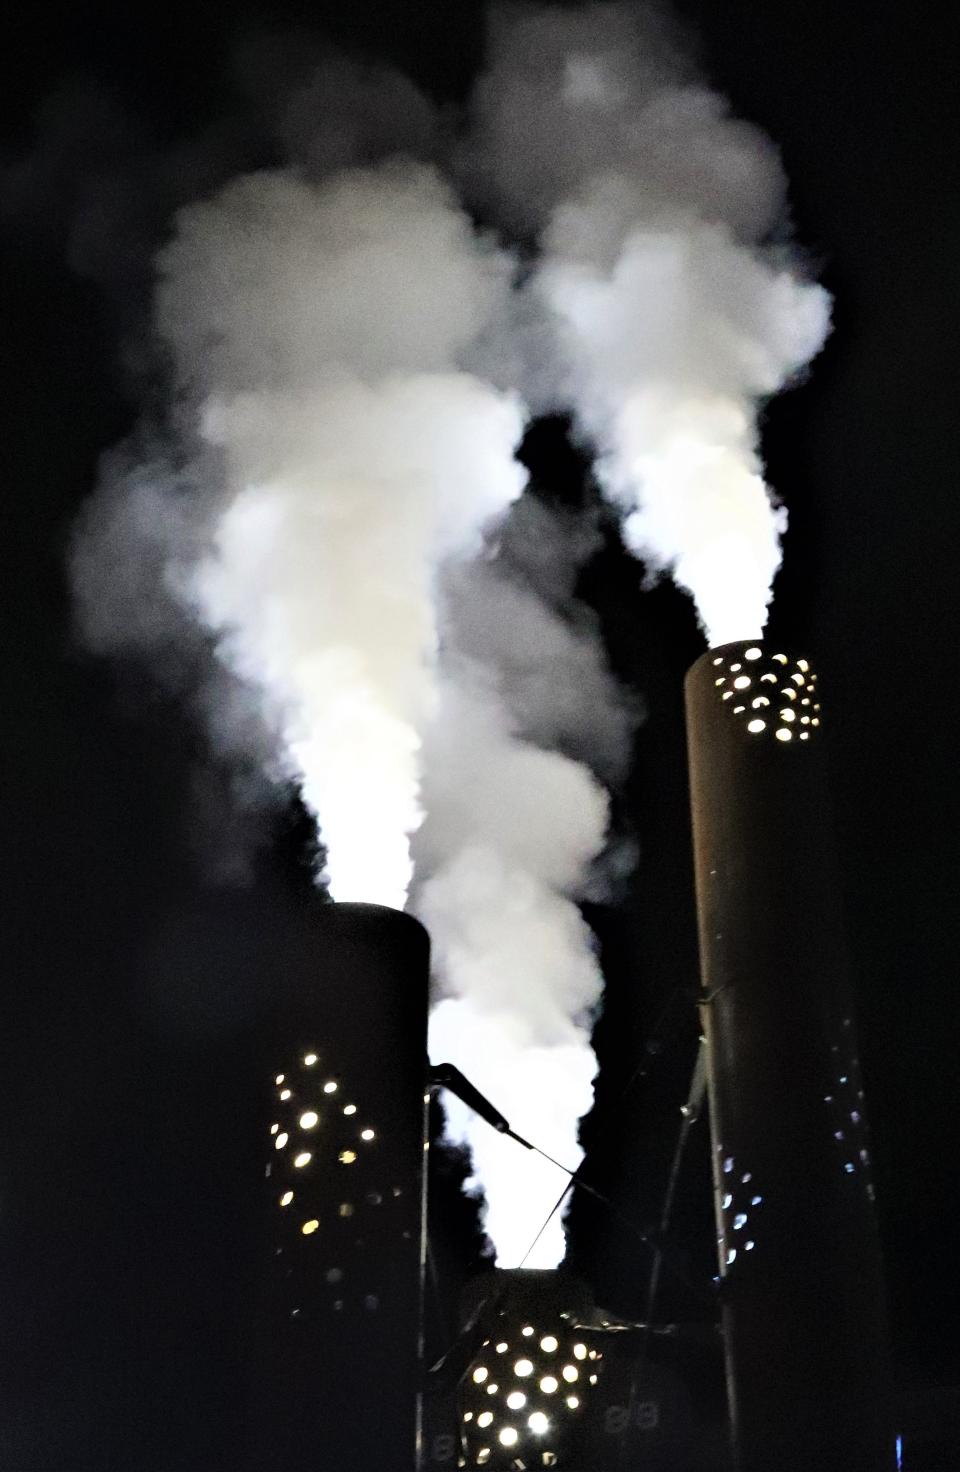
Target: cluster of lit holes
x,y
737,1213
557,1381
309,1119
789,690
847,1102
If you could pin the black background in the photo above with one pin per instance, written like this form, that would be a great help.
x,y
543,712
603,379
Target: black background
x,y
129,983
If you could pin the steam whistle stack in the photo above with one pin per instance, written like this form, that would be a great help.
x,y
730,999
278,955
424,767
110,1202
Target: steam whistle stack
x,y
541,1377
343,1156
800,1266
526,1391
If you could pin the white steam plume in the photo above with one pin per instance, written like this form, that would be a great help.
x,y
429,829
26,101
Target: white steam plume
x,y
512,830
672,321
320,333
332,458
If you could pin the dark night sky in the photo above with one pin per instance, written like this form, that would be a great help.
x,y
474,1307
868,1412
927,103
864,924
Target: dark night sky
x,y
128,983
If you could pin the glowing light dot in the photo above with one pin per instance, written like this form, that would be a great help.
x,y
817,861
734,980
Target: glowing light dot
x,y
330,1087
485,1418
802,665
727,695
749,1246
527,1330
728,1165
280,1078
815,721
549,1384
538,1423
516,1400
350,1109
759,702
366,1134
742,682
310,1227
768,679
722,681
736,667
286,1198
570,1373
492,1388
788,715
304,1158
573,1401
789,694
756,726
309,1120
284,1093
593,1379
797,679
280,1141
783,734
480,1374
740,1220
727,1202
804,735
579,1351
309,1059
548,1344
523,1368
738,710
347,1157
719,659
753,653
731,1256
508,1436
274,1128
780,658
502,1347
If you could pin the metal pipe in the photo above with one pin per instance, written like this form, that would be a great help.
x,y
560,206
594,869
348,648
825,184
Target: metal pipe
x,y
344,1162
801,1280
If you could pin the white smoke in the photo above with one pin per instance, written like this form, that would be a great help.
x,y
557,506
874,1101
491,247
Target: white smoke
x,y
513,827
343,452
671,321
507,853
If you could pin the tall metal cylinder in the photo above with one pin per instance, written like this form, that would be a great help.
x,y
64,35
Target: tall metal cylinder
x,y
801,1279
343,1154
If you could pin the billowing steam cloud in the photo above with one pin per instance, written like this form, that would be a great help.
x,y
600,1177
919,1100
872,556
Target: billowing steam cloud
x,y
514,823
672,321
326,505
319,331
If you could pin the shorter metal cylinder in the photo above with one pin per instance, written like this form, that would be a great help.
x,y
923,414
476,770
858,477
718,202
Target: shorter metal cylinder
x,y
344,1075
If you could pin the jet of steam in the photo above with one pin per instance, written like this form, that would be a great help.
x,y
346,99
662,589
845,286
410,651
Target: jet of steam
x,y
672,321
515,822
322,333
506,853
